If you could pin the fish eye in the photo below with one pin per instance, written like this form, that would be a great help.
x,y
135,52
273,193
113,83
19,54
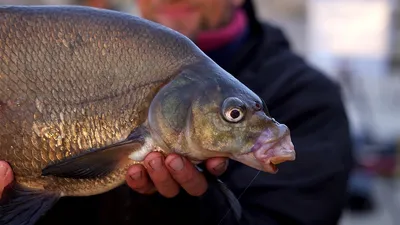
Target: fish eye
x,y
234,115
233,110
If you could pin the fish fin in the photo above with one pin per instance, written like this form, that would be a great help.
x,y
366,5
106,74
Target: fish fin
x,y
232,200
94,163
230,197
23,206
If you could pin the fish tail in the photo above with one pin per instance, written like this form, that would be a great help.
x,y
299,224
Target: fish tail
x,y
23,206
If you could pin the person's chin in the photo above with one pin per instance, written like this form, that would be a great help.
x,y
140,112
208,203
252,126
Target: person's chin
x,y
189,33
181,28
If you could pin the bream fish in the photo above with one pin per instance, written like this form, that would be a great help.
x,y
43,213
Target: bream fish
x,y
85,93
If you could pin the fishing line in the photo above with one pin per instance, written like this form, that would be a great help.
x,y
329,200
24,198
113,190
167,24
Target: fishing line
x,y
251,182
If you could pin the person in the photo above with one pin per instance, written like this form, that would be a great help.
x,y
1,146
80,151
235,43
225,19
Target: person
x,y
310,190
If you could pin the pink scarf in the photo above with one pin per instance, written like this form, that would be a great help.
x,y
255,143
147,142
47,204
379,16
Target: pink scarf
x,y
211,40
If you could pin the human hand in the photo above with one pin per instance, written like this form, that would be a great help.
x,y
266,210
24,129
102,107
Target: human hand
x,y
167,175
6,176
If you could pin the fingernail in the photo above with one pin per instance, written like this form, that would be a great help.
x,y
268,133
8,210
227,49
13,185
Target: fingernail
x,y
176,164
3,170
136,176
156,163
221,167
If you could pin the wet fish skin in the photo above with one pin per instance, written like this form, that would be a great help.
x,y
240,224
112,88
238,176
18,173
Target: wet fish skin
x,y
187,114
73,79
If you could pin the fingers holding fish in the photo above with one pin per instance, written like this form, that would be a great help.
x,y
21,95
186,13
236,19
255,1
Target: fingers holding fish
x,y
187,176
138,179
6,176
217,166
169,175
161,177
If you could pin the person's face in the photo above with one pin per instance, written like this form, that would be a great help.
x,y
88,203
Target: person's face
x,y
189,17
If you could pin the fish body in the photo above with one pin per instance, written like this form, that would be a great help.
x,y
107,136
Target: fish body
x,y
85,93
74,79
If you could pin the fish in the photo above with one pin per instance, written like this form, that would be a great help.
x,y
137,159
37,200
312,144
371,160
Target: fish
x,y
85,93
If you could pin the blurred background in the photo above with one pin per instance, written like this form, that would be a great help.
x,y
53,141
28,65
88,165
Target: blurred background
x,y
357,43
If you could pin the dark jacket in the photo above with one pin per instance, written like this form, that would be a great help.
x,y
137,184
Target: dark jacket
x,y
309,191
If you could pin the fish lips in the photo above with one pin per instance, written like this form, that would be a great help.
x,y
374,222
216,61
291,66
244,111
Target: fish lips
x,y
266,154
273,153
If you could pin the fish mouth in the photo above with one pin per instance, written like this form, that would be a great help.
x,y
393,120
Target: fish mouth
x,y
270,154
269,151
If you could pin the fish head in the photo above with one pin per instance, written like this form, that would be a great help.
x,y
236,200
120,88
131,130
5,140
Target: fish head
x,y
232,120
204,116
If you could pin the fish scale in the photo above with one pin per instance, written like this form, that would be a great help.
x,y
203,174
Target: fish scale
x,y
44,61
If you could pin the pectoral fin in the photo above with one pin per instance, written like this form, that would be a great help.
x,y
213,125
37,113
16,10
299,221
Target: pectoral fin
x,y
231,199
94,163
